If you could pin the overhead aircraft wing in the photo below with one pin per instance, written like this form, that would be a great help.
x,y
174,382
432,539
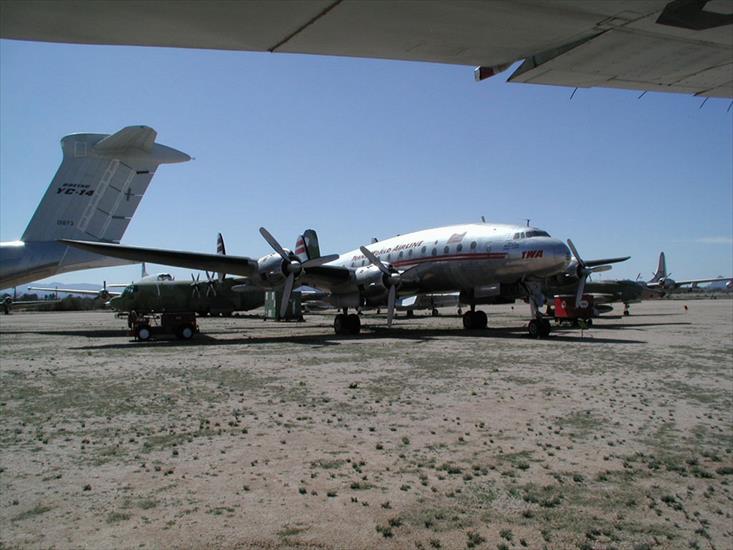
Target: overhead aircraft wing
x,y
236,265
683,46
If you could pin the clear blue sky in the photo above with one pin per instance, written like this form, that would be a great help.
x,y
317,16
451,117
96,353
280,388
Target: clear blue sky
x,y
360,148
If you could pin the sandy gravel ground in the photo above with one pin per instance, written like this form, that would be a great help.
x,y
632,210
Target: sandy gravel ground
x,y
269,435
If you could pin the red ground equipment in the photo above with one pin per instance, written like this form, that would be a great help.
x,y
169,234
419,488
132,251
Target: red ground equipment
x,y
567,310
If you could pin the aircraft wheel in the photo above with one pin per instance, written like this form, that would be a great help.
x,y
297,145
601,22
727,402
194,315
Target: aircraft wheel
x,y
626,313
435,312
480,320
535,328
410,313
339,324
143,333
545,327
468,320
185,332
353,323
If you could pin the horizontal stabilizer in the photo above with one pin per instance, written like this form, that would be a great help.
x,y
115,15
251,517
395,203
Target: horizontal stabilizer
x,y
131,137
237,265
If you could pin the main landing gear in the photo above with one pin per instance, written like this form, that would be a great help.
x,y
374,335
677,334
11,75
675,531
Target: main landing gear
x,y
347,323
627,312
539,328
474,319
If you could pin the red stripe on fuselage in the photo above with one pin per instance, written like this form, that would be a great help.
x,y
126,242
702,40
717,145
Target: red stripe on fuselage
x,y
453,257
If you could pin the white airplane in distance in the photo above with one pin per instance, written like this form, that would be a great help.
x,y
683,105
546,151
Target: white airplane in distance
x,y
476,260
93,196
682,46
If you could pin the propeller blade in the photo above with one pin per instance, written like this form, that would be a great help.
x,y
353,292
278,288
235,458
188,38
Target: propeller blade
x,y
581,288
600,268
273,243
375,261
575,253
287,289
320,261
390,305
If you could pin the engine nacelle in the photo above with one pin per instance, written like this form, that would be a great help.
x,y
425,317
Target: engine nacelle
x,y
667,284
370,281
271,271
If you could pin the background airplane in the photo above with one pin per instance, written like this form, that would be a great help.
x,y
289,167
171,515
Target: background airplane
x,y
93,196
683,46
475,259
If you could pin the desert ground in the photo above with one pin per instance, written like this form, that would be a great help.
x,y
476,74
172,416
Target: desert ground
x,y
266,435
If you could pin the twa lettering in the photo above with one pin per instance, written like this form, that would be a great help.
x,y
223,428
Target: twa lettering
x,y
527,254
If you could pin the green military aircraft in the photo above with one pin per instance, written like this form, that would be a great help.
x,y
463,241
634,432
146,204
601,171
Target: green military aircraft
x,y
162,294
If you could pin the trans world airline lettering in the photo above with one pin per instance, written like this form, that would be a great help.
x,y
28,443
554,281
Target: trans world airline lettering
x,y
529,254
397,248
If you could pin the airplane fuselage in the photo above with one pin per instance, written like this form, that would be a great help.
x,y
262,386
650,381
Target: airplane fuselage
x,y
463,257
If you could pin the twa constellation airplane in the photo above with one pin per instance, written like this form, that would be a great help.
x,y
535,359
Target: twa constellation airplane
x,y
478,260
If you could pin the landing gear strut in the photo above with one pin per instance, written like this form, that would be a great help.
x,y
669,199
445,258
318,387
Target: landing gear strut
x,y
626,310
347,323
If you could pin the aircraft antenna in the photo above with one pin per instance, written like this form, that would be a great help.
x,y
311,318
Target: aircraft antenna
x,y
642,94
527,220
704,101
729,106
573,94
483,220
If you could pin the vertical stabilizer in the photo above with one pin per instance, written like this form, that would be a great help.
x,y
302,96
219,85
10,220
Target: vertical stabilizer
x,y
661,269
312,247
99,185
92,197
220,249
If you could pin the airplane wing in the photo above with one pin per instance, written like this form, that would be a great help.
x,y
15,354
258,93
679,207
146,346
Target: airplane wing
x,y
75,291
700,281
683,46
603,261
236,265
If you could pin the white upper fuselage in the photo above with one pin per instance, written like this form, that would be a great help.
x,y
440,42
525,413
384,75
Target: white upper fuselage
x,y
465,256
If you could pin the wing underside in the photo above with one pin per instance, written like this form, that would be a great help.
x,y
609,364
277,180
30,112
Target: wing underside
x,y
675,46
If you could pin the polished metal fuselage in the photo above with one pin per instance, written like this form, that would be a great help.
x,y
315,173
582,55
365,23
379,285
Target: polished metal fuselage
x,y
463,257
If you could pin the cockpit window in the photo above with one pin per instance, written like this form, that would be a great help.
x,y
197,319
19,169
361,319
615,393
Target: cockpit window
x,y
533,233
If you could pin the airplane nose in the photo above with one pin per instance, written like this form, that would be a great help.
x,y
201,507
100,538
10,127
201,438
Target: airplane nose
x,y
561,254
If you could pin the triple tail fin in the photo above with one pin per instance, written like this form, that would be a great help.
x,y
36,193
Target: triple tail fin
x,y
661,269
306,247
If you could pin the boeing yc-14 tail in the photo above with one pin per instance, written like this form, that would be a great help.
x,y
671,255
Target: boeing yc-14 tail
x,y
93,196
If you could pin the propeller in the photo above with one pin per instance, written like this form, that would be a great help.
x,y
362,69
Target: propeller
x,y
210,284
584,272
292,267
392,280
195,284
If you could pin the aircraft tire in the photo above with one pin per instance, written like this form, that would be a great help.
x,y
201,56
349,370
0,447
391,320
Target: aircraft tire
x,y
410,313
435,312
626,313
534,328
545,327
340,324
480,320
353,323
468,320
